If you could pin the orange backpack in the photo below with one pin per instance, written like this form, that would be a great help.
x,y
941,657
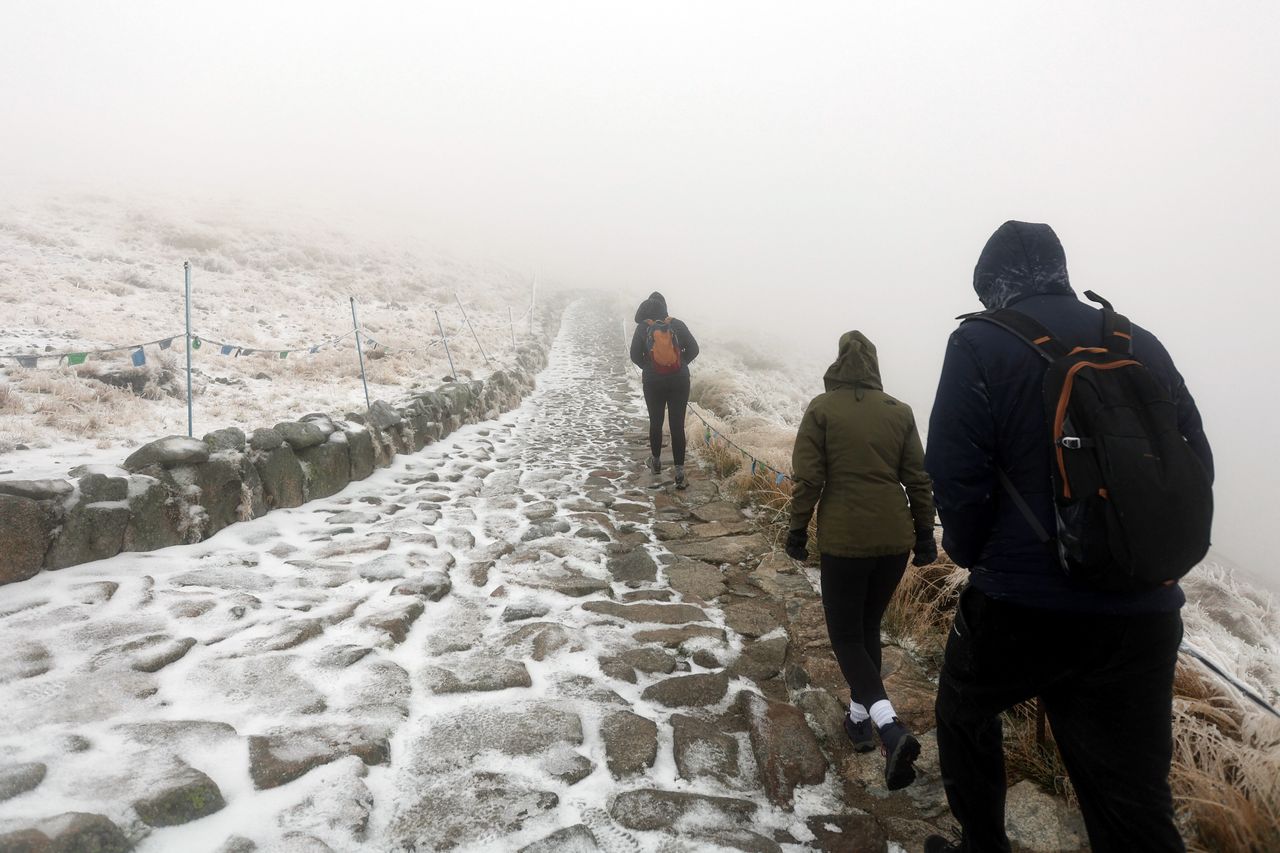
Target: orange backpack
x,y
663,347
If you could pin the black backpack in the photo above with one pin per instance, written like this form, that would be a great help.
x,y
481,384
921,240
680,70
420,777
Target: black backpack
x,y
1133,503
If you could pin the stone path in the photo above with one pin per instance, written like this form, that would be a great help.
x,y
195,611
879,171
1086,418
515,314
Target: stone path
x,y
513,640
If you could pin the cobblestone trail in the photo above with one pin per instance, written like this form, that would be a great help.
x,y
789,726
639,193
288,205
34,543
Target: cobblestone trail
x,y
512,640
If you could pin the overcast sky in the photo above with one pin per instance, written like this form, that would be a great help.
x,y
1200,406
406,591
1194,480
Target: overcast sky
x,y
793,169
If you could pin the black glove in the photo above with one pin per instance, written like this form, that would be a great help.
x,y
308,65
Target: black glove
x,y
926,548
798,544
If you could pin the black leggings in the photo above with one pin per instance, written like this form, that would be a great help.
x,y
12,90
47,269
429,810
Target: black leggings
x,y
667,394
855,594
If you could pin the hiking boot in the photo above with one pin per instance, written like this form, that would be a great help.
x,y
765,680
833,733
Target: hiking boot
x,y
938,844
901,750
862,735
681,482
655,464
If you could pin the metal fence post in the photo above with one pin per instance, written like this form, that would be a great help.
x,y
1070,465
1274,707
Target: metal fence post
x,y
512,321
186,274
472,328
355,323
445,340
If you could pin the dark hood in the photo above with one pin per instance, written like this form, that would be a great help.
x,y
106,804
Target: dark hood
x,y
653,308
856,366
1021,259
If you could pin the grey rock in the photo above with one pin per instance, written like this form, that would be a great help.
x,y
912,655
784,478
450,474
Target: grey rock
x,y
168,452
648,659
283,481
723,549
1037,821
327,467
155,517
651,809
721,511
544,638
521,610
230,438
630,743
480,675
572,839
72,832
696,579
342,656
25,531
37,490
221,490
786,751
184,796
456,811
158,657
762,659
666,614
361,453
265,439
753,618
90,532
685,691
456,739
635,566
17,779
703,749
301,435
283,755
683,637
396,621
382,415
237,844
432,585
848,832
96,487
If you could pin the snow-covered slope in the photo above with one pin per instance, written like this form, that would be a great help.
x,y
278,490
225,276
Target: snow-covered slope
x,y
87,272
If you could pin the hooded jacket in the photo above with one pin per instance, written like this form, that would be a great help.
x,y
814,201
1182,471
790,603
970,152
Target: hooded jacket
x,y
989,413
655,308
856,450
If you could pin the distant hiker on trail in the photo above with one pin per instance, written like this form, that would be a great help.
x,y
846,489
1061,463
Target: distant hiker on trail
x,y
856,450
662,347
1053,421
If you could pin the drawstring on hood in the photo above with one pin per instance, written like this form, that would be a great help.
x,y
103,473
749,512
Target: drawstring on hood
x,y
1021,259
856,366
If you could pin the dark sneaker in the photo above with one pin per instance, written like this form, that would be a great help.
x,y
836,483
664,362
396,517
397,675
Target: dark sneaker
x,y
655,464
938,844
901,750
681,482
862,735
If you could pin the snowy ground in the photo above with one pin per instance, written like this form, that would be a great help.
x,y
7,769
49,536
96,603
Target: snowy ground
x,y
427,623
85,272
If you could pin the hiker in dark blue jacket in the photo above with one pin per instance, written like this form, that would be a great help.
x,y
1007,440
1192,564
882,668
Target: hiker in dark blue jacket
x,y
1102,662
666,394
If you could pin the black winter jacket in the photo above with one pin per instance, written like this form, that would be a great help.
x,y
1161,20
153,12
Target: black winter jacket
x,y
989,412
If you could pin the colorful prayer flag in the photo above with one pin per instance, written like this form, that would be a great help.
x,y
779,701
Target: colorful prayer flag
x,y
779,480
314,349
195,343
166,343
227,349
284,353
28,360
139,357
244,351
76,357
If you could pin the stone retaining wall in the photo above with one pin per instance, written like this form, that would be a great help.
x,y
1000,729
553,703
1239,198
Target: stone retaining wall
x,y
180,490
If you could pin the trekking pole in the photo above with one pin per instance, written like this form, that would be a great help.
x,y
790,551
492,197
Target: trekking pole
x,y
186,274
472,328
445,341
355,323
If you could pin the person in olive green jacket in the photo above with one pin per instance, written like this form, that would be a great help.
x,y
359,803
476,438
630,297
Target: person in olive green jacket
x,y
858,458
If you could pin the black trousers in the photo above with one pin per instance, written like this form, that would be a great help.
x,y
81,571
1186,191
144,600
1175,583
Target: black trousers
x,y
855,594
1107,687
667,395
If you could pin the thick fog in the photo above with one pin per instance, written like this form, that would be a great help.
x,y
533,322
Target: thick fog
x,y
781,171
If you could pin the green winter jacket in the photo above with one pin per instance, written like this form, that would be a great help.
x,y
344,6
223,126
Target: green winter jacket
x,y
858,458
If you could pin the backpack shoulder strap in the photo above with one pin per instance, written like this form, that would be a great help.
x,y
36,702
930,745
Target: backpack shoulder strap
x,y
1117,331
1031,332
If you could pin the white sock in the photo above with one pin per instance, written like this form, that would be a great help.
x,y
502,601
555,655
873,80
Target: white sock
x,y
857,713
883,714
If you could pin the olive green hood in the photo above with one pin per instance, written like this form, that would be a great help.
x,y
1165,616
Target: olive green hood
x,y
856,366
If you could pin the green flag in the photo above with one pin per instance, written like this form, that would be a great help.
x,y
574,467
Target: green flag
x,y
195,343
284,353
76,357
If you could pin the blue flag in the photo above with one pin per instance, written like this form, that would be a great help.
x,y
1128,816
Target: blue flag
x,y
139,357
779,480
227,349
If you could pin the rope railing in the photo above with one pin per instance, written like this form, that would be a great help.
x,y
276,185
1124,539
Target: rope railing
x,y
757,464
